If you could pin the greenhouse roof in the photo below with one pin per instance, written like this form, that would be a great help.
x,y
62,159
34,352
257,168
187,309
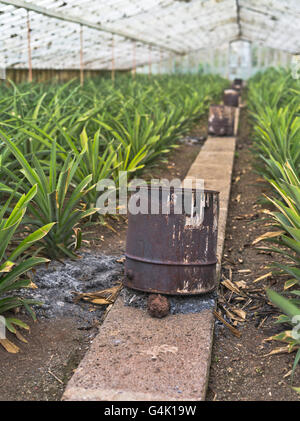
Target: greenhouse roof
x,y
124,33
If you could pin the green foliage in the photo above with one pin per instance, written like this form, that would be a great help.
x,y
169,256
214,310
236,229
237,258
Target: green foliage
x,y
121,127
54,201
292,338
14,261
287,217
275,114
274,109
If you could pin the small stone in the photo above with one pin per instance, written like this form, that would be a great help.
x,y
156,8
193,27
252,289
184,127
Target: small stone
x,y
158,306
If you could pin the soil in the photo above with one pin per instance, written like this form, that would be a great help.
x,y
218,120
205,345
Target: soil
x,y
57,341
42,368
240,371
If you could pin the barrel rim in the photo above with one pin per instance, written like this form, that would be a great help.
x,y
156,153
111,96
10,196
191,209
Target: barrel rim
x,y
175,189
230,90
213,288
169,262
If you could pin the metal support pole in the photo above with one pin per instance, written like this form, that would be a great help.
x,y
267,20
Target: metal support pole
x,y
29,49
81,56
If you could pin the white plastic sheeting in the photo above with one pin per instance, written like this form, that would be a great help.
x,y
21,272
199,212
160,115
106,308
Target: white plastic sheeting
x,y
138,32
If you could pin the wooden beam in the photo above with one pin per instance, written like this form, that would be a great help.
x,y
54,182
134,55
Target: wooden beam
x,y
113,59
81,56
160,60
133,71
150,63
238,18
67,18
29,49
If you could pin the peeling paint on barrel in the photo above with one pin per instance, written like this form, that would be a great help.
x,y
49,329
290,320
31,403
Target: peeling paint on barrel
x,y
221,120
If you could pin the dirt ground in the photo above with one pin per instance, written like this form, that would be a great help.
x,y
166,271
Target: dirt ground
x,y
42,368
240,371
40,371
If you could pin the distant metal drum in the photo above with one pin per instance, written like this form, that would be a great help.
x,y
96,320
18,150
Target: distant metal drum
x,y
173,253
237,85
238,82
221,120
231,98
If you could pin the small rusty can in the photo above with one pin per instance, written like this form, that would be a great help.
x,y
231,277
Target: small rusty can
x,y
173,253
231,98
221,120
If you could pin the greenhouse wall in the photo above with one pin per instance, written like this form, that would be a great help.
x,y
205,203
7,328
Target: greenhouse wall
x,y
43,75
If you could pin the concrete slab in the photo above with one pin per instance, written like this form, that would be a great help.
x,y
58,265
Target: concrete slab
x,y
214,164
221,144
135,357
140,358
207,171
209,156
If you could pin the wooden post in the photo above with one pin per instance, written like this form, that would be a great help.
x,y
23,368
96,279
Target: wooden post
x,y
81,56
113,59
29,49
160,60
170,64
150,62
133,59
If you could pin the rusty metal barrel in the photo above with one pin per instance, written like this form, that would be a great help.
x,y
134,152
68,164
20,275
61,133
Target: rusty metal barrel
x,y
231,98
221,120
238,82
237,85
173,253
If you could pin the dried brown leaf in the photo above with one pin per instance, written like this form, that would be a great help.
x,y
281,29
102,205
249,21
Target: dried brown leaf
x,y
269,234
100,301
267,275
241,284
9,346
231,286
104,297
280,350
241,313
233,329
20,337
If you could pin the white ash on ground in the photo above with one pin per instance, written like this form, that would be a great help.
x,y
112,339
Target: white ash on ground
x,y
178,303
59,282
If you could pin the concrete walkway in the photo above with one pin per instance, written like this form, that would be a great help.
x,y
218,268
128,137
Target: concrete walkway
x,y
135,357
